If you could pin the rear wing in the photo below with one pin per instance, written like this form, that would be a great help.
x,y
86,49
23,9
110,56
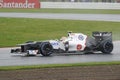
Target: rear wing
x,y
101,36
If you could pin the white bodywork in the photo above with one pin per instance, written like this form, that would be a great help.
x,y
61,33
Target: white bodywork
x,y
77,42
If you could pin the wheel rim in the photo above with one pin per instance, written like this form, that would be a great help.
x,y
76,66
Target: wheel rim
x,y
108,47
47,49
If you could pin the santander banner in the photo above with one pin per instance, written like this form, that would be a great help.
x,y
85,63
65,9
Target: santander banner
x,y
19,4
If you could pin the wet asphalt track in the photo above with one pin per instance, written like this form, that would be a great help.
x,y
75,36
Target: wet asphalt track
x,y
7,59
97,17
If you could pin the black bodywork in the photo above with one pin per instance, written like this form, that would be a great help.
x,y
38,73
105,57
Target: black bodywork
x,y
44,48
101,41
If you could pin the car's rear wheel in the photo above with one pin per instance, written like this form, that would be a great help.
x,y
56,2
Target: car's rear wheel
x,y
46,49
106,47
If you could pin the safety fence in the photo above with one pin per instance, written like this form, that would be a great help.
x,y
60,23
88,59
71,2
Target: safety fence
x,y
79,5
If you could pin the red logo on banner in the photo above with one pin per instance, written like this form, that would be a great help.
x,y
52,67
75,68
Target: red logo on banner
x,y
19,4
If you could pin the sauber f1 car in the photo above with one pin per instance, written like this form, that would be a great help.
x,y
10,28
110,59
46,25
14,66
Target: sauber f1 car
x,y
74,42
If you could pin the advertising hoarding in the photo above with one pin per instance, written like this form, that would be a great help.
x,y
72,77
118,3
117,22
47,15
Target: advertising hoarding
x,y
19,4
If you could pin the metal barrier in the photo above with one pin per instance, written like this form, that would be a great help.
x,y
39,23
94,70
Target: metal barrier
x,y
109,1
78,5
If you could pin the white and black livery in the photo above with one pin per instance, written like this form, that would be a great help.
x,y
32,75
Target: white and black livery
x,y
74,42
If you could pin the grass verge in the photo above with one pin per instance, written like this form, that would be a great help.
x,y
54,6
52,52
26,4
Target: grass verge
x,y
3,68
78,11
18,30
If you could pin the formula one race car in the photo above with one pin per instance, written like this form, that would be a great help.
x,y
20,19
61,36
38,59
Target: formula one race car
x,y
74,42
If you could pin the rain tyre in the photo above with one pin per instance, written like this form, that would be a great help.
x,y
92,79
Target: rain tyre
x,y
46,49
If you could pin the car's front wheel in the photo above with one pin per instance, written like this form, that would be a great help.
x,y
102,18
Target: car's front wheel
x,y
46,49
